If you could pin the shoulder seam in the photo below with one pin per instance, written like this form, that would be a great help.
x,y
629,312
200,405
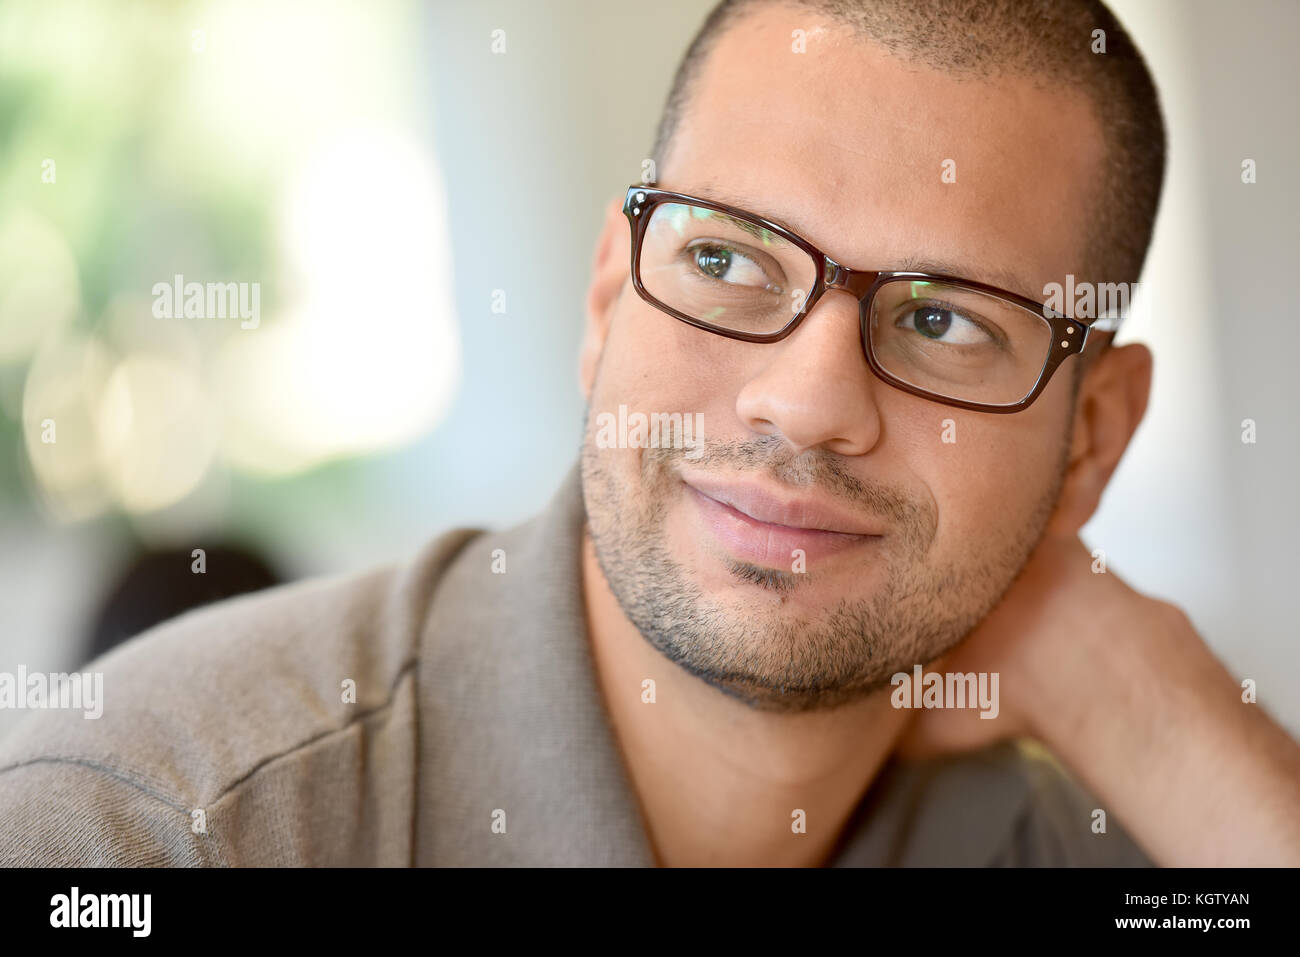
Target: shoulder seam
x,y
462,538
104,769
360,716
125,777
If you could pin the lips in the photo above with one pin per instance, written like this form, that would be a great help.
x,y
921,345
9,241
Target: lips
x,y
761,525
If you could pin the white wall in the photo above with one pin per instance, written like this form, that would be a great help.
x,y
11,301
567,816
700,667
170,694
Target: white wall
x,y
1193,514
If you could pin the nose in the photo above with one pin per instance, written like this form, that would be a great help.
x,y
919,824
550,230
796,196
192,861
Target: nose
x,y
815,388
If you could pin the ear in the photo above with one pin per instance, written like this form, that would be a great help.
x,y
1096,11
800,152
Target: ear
x,y
609,274
1111,402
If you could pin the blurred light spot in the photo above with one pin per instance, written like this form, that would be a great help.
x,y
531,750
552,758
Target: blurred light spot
x,y
365,354
63,384
39,291
157,432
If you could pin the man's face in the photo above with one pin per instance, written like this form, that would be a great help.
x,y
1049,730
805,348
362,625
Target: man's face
x,y
837,530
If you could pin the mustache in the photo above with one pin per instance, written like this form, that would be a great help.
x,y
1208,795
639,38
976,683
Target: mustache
x,y
772,455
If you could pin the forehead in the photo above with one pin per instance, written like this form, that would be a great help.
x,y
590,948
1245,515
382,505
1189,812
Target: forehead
x,y
848,145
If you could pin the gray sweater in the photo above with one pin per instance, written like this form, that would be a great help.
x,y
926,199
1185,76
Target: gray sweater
x,y
228,738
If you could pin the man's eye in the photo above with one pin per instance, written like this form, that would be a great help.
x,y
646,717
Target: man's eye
x,y
944,325
727,265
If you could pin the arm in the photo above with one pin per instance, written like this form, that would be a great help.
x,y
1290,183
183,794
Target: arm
x,y
1119,685
1160,732
1126,694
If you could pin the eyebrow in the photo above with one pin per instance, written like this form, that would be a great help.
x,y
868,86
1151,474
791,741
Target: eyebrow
x,y
989,275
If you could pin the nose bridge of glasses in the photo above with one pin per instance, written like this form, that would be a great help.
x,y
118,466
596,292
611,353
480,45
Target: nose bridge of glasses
x,y
856,282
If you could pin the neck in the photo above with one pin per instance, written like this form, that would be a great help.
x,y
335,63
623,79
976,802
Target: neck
x,y
719,782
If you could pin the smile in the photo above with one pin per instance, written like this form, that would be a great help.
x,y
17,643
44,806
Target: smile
x,y
755,525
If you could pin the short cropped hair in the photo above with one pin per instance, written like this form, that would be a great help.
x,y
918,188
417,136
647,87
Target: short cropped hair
x,y
1047,41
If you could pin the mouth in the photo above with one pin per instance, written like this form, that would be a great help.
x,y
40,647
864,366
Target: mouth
x,y
762,527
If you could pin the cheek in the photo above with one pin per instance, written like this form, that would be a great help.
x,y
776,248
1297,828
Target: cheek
x,y
654,363
989,476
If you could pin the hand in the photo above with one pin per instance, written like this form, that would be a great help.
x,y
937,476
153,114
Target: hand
x,y
1037,625
1124,692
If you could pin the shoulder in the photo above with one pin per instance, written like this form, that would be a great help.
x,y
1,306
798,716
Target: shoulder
x,y
1062,824
235,711
1010,804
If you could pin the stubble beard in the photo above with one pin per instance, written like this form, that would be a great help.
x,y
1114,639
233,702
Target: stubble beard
x,y
766,654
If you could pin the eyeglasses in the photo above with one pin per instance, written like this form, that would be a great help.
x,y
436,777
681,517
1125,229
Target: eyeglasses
x,y
958,342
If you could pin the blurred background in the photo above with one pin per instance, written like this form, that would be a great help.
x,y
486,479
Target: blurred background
x,y
373,166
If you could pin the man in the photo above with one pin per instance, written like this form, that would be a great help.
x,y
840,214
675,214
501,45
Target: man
x,y
706,650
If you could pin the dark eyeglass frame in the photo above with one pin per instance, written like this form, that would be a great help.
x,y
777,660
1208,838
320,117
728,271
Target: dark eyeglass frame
x,y
1069,336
